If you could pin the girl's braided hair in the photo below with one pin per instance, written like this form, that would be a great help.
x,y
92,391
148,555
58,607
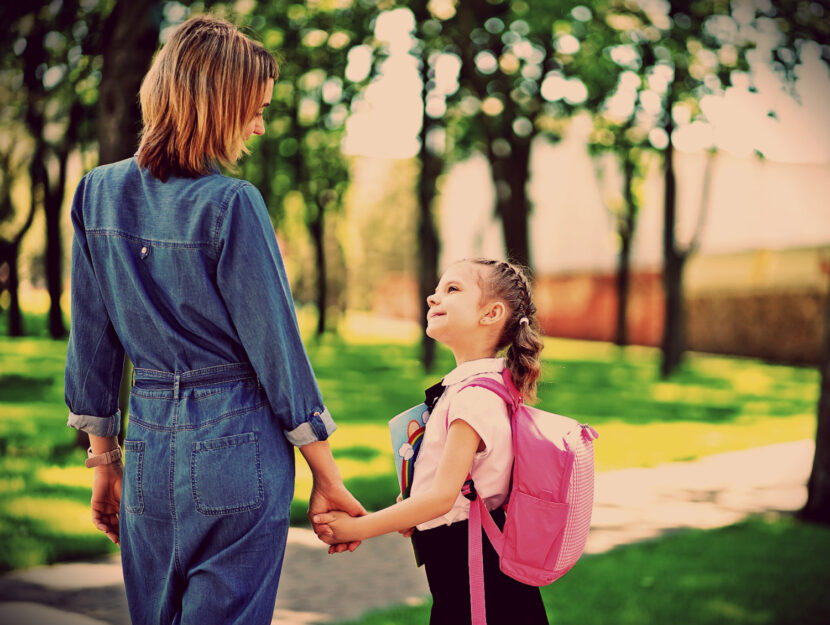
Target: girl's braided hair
x,y
508,282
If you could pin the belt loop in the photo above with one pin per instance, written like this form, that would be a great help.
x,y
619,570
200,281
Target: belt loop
x,y
176,382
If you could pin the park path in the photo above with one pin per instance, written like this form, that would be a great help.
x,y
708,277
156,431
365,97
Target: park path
x,y
630,505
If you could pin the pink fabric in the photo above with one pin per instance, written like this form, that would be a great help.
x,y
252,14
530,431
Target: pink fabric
x,y
549,511
475,563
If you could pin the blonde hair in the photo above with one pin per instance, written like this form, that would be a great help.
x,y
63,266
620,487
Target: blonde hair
x,y
508,282
204,87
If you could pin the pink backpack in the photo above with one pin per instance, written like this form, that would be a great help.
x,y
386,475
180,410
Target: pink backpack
x,y
548,512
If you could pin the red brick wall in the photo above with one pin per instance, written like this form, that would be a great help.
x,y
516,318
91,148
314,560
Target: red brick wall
x,y
584,306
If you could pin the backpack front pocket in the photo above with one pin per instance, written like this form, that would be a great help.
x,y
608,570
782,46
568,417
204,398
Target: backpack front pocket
x,y
532,537
226,474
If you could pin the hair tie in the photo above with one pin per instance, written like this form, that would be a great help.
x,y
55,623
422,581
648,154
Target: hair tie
x,y
524,321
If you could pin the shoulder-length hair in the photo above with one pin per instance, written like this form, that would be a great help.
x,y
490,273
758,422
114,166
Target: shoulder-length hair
x,y
204,87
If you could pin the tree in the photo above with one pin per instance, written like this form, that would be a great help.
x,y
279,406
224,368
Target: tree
x,y
430,155
817,507
130,38
301,150
49,46
801,24
629,154
13,154
681,51
525,69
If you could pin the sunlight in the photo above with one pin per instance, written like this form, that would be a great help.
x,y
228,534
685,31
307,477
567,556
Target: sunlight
x,y
61,516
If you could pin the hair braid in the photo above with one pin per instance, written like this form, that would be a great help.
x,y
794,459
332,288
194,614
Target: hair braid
x,y
509,283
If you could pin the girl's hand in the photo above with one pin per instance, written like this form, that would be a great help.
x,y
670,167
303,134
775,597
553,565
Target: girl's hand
x,y
333,497
337,527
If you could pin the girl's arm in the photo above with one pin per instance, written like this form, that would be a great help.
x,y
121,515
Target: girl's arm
x,y
456,461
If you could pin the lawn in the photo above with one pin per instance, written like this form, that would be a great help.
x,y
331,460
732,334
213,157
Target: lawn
x,y
713,404
764,571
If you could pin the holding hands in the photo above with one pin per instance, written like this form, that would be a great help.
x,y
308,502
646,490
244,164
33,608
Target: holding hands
x,y
324,499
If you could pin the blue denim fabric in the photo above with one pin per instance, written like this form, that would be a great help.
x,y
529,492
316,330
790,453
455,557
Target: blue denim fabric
x,y
208,481
186,277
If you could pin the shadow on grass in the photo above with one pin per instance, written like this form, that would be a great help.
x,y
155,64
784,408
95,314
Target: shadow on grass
x,y
16,388
769,570
28,542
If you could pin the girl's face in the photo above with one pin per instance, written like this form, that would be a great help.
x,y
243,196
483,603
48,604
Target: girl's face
x,y
455,309
257,125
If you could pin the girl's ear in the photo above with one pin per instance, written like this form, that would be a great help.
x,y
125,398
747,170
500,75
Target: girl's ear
x,y
494,313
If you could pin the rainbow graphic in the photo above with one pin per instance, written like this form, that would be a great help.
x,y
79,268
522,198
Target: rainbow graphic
x,y
407,433
408,464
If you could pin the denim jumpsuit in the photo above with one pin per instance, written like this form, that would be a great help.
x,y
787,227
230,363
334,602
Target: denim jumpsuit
x,y
186,277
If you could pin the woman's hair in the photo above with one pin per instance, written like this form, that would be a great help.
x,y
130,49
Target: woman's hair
x,y
204,87
508,282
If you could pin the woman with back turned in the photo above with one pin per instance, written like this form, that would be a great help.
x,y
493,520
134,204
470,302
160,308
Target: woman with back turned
x,y
178,266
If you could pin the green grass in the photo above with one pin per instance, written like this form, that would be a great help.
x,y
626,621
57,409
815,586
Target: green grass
x,y
713,404
763,571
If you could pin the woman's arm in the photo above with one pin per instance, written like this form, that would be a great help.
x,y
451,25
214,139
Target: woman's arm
x,y
453,468
328,491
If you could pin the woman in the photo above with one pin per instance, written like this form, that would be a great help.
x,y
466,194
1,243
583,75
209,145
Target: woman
x,y
178,266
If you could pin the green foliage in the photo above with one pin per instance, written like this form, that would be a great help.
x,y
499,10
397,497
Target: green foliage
x,y
768,570
715,404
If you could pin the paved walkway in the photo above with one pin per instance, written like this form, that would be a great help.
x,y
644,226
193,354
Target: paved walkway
x,y
631,505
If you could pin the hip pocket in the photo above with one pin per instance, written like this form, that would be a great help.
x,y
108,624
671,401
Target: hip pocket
x,y
133,469
226,475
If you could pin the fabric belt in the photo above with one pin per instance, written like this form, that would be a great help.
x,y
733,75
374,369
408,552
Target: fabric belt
x,y
155,379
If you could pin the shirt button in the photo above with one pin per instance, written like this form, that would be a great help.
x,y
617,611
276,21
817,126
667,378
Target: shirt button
x,y
145,251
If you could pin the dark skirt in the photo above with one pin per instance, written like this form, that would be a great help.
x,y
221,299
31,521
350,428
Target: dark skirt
x,y
443,551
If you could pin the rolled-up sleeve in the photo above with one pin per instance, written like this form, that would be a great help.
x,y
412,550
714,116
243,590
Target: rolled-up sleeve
x,y
252,281
95,357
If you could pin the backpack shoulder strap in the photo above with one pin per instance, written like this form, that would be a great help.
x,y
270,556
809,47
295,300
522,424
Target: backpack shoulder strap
x,y
496,387
479,515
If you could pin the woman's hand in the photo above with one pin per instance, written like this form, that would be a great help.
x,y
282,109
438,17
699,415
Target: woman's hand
x,y
106,499
333,497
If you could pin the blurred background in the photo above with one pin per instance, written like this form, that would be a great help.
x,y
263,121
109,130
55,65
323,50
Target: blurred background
x,y
663,169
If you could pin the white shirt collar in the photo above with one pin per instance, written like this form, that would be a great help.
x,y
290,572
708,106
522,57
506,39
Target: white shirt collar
x,y
473,368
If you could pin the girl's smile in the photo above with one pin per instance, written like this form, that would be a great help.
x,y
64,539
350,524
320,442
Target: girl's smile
x,y
459,317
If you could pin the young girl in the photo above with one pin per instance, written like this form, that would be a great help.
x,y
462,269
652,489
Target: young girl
x,y
479,307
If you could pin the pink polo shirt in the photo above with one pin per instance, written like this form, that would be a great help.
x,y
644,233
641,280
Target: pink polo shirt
x,y
487,414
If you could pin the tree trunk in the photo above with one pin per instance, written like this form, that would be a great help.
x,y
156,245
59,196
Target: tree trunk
x,y
52,203
817,507
10,255
626,232
673,260
15,316
316,227
428,244
510,175
130,38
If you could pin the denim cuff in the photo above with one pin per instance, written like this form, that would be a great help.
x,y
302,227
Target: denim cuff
x,y
319,427
96,426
